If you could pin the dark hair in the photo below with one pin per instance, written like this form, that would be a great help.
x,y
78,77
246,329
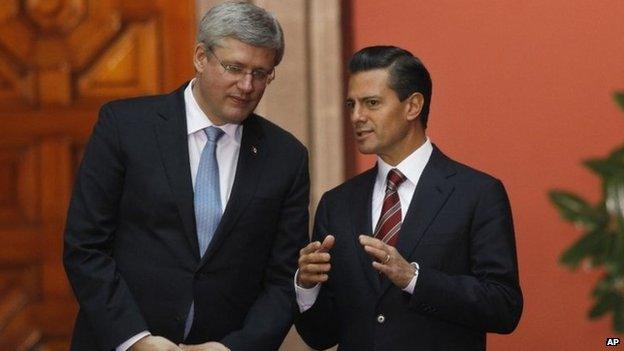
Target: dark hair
x,y
407,73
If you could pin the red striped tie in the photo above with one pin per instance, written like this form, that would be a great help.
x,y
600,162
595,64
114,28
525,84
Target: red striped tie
x,y
389,224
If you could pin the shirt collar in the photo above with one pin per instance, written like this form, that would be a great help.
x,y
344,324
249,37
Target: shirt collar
x,y
197,120
412,166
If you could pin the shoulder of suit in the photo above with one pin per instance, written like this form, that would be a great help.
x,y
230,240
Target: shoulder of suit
x,y
359,182
134,107
276,134
137,101
466,174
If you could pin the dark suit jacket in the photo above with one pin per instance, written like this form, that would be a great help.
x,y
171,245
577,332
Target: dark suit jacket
x,y
458,228
131,250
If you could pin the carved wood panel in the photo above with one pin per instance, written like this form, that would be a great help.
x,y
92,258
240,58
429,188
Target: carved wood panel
x,y
60,52
18,185
59,61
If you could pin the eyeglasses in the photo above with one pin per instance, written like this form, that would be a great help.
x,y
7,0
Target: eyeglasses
x,y
238,72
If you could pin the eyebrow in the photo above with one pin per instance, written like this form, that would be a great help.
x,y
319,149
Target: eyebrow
x,y
238,63
365,97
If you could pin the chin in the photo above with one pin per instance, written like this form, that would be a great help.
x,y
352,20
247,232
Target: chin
x,y
366,150
237,118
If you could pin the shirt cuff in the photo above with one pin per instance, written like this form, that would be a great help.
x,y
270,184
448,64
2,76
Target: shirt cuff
x,y
126,345
305,297
412,284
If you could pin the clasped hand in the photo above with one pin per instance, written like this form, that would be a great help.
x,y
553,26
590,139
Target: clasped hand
x,y
209,346
158,343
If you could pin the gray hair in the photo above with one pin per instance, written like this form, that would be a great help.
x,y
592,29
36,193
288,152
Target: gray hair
x,y
245,22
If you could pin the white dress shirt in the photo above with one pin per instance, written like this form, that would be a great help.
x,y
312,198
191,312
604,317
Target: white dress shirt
x,y
227,151
412,167
228,145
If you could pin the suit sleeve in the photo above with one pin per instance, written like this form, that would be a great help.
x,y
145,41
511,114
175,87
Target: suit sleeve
x,y
489,299
271,316
102,293
319,326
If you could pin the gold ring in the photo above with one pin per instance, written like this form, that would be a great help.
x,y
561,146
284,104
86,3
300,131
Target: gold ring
x,y
387,259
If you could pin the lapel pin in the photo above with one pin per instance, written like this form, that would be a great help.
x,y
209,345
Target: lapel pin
x,y
254,150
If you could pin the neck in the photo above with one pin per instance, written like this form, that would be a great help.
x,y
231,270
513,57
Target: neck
x,y
400,153
200,102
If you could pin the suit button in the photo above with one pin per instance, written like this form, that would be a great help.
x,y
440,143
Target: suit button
x,y
381,318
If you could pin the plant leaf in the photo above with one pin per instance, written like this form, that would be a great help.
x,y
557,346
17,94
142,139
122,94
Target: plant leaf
x,y
617,155
606,168
575,209
603,304
589,245
619,98
615,262
618,315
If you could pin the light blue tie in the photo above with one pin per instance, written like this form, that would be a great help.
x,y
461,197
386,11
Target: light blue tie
x,y
207,200
207,191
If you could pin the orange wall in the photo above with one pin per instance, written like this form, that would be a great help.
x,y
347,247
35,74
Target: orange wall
x,y
522,90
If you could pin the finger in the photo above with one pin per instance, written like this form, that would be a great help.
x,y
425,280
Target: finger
x,y
382,268
315,268
328,243
314,258
311,247
370,241
218,346
312,279
378,254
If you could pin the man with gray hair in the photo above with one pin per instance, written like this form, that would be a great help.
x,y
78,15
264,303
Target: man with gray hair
x,y
189,209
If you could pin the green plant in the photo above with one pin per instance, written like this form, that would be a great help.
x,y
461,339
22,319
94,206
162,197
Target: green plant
x,y
602,244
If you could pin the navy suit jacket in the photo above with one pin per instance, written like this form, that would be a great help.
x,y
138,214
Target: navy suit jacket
x,y
131,249
458,228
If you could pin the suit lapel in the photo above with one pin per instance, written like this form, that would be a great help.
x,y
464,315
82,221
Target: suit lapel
x,y
431,193
172,137
360,201
248,169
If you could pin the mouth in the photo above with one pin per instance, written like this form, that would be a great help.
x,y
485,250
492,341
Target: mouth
x,y
363,133
238,100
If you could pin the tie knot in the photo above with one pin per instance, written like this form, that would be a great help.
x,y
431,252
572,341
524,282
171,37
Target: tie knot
x,y
395,178
213,133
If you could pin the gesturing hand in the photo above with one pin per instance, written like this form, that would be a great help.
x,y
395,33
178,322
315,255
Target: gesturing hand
x,y
314,263
388,261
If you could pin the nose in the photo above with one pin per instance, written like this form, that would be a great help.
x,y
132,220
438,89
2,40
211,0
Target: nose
x,y
245,84
357,114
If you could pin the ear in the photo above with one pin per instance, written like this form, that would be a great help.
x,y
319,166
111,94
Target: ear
x,y
200,60
415,104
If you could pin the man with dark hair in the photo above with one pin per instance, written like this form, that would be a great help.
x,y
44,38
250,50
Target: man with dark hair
x,y
189,209
439,270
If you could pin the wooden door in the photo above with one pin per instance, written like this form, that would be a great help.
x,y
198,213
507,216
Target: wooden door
x,y
59,61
